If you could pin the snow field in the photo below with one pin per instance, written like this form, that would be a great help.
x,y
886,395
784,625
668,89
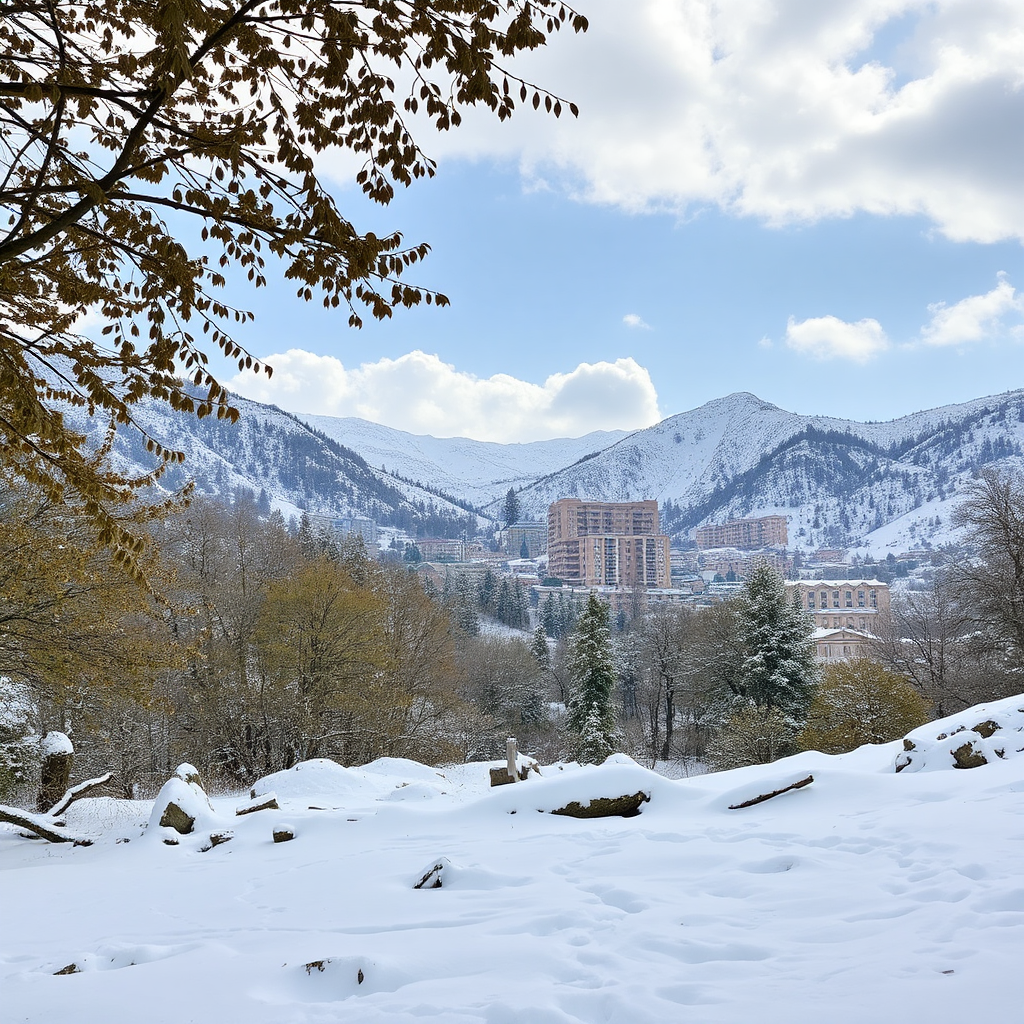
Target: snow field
x,y
865,896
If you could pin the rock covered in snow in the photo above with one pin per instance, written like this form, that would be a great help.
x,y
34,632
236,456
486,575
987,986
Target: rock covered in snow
x,y
968,739
182,803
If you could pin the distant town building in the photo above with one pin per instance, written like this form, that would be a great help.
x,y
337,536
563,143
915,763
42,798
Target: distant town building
x,y
607,544
442,549
842,644
829,556
842,604
745,534
358,526
724,561
534,535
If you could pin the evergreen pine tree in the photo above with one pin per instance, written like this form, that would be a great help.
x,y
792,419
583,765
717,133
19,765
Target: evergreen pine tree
x,y
779,670
487,592
524,551
590,718
549,616
539,648
511,510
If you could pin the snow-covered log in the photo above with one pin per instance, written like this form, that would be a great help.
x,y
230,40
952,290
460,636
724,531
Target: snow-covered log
x,y
761,797
77,792
41,824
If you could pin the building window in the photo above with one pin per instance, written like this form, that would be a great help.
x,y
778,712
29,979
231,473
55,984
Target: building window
x,y
849,599
824,599
835,598
860,598
810,600
874,599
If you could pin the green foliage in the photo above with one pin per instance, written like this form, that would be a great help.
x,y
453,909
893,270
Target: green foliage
x,y
511,510
779,670
540,650
860,702
590,719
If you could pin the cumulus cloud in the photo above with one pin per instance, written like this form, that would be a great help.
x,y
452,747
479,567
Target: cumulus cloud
x,y
421,394
636,321
788,111
975,318
828,337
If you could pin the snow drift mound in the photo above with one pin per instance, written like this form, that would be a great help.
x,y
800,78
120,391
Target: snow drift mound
x,y
968,739
319,779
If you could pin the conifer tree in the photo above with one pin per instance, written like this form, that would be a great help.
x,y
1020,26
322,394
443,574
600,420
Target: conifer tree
x,y
779,670
539,648
511,510
590,717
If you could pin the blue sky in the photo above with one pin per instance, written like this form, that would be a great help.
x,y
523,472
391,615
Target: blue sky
x,y
820,204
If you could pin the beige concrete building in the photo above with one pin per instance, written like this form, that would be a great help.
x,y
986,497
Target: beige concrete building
x,y
742,564
842,644
607,544
435,549
745,534
842,604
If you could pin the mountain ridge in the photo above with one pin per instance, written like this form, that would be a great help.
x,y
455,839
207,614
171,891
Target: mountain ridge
x,y
841,483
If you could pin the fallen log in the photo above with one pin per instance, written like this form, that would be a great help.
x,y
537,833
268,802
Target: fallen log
x,y
77,792
775,792
41,825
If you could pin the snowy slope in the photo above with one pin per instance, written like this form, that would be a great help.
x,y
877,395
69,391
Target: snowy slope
x,y
865,896
481,471
839,481
270,450
872,486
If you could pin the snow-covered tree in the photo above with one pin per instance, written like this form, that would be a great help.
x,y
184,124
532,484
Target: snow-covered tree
x,y
539,648
592,672
753,735
511,510
779,670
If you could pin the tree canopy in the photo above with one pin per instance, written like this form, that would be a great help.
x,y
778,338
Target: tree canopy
x,y
779,670
511,510
590,719
127,129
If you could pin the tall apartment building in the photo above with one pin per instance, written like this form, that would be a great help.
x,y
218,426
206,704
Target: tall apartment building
x,y
607,544
745,534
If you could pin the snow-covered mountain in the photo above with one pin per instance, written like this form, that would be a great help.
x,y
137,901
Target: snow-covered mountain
x,y
841,483
298,468
480,471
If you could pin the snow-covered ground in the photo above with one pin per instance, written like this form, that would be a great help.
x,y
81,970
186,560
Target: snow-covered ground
x,y
866,896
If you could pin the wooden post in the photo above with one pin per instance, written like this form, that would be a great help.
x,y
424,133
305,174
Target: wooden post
x,y
511,755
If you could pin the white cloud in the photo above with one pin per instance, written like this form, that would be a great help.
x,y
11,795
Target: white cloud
x,y
788,110
974,318
828,337
634,320
421,394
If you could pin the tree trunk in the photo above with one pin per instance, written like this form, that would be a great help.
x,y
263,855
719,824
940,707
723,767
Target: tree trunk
x,y
54,776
